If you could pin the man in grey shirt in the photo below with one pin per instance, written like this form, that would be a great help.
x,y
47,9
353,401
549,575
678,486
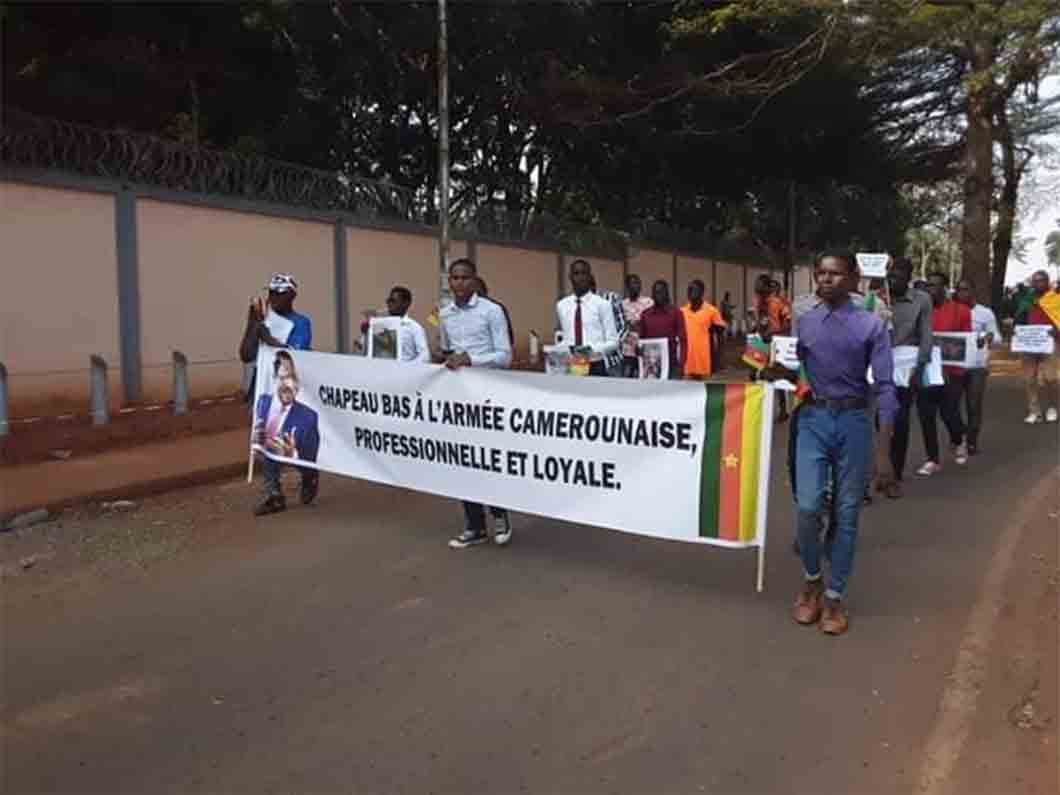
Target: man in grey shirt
x,y
475,334
911,319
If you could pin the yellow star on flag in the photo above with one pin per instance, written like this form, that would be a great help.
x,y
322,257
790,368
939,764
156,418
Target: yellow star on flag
x,y
731,461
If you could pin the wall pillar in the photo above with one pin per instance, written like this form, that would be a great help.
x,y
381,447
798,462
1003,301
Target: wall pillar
x,y
342,295
128,294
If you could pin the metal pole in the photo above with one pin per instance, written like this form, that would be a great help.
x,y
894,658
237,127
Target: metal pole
x,y
100,390
4,424
443,155
789,266
180,383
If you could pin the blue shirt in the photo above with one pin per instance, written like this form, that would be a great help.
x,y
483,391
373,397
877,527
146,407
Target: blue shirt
x,y
837,345
479,329
301,336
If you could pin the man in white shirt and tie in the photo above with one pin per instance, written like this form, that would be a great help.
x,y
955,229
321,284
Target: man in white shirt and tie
x,y
586,320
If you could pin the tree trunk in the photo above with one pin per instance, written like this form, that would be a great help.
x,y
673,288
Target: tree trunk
x,y
196,110
978,165
1012,172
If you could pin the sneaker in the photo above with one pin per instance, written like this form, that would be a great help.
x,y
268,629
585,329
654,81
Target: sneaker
x,y
928,469
808,603
468,538
274,504
834,619
1051,415
502,530
1033,419
960,454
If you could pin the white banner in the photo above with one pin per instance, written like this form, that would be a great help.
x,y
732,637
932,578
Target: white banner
x,y
670,459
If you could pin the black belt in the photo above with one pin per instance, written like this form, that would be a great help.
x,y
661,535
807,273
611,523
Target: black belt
x,y
844,404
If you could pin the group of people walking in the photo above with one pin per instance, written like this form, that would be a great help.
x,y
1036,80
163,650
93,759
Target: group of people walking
x,y
603,324
846,431
842,337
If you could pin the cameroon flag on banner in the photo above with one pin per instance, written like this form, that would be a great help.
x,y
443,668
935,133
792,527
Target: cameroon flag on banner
x,y
732,474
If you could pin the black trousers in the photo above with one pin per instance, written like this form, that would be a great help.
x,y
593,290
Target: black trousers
x,y
476,515
944,400
598,368
903,423
974,395
630,367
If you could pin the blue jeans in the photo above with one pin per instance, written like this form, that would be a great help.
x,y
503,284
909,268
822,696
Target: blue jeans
x,y
836,443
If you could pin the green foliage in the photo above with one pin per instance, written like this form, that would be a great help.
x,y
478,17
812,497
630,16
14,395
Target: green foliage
x,y
680,115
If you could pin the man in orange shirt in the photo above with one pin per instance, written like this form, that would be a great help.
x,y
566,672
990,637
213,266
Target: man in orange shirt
x,y
772,309
700,320
773,315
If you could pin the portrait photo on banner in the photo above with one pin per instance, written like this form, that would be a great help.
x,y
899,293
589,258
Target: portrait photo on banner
x,y
384,339
283,425
958,348
653,357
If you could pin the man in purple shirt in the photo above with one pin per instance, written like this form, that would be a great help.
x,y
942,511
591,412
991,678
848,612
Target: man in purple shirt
x,y
837,343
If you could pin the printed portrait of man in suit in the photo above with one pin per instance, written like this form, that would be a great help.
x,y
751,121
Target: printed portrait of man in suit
x,y
283,426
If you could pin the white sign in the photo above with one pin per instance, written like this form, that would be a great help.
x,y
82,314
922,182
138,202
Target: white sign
x,y
279,327
958,349
933,375
905,360
872,266
597,451
1033,339
784,351
653,359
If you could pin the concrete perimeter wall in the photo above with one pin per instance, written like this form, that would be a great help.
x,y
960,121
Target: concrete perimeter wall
x,y
135,273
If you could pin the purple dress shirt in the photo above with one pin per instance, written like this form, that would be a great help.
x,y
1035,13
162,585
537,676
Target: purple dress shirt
x,y
838,345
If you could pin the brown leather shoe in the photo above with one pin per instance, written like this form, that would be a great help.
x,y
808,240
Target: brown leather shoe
x,y
808,603
834,619
894,490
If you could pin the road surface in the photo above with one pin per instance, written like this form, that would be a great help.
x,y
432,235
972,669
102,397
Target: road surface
x,y
185,647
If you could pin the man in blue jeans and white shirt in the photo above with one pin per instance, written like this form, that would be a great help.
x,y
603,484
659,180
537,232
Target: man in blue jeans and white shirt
x,y
474,333
837,343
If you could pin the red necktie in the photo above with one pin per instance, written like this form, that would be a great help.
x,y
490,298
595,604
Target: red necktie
x,y
578,322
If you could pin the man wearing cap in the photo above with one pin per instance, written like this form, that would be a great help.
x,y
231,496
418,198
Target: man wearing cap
x,y
283,289
267,321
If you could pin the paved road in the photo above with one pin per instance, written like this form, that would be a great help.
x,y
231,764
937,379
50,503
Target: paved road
x,y
345,648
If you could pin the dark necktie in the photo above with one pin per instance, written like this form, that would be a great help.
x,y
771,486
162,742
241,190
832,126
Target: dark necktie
x,y
578,322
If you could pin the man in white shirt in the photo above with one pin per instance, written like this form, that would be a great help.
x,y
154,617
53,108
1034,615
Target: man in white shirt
x,y
413,346
474,333
984,324
587,320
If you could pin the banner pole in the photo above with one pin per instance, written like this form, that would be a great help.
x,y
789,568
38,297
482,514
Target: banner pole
x,y
250,467
763,485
